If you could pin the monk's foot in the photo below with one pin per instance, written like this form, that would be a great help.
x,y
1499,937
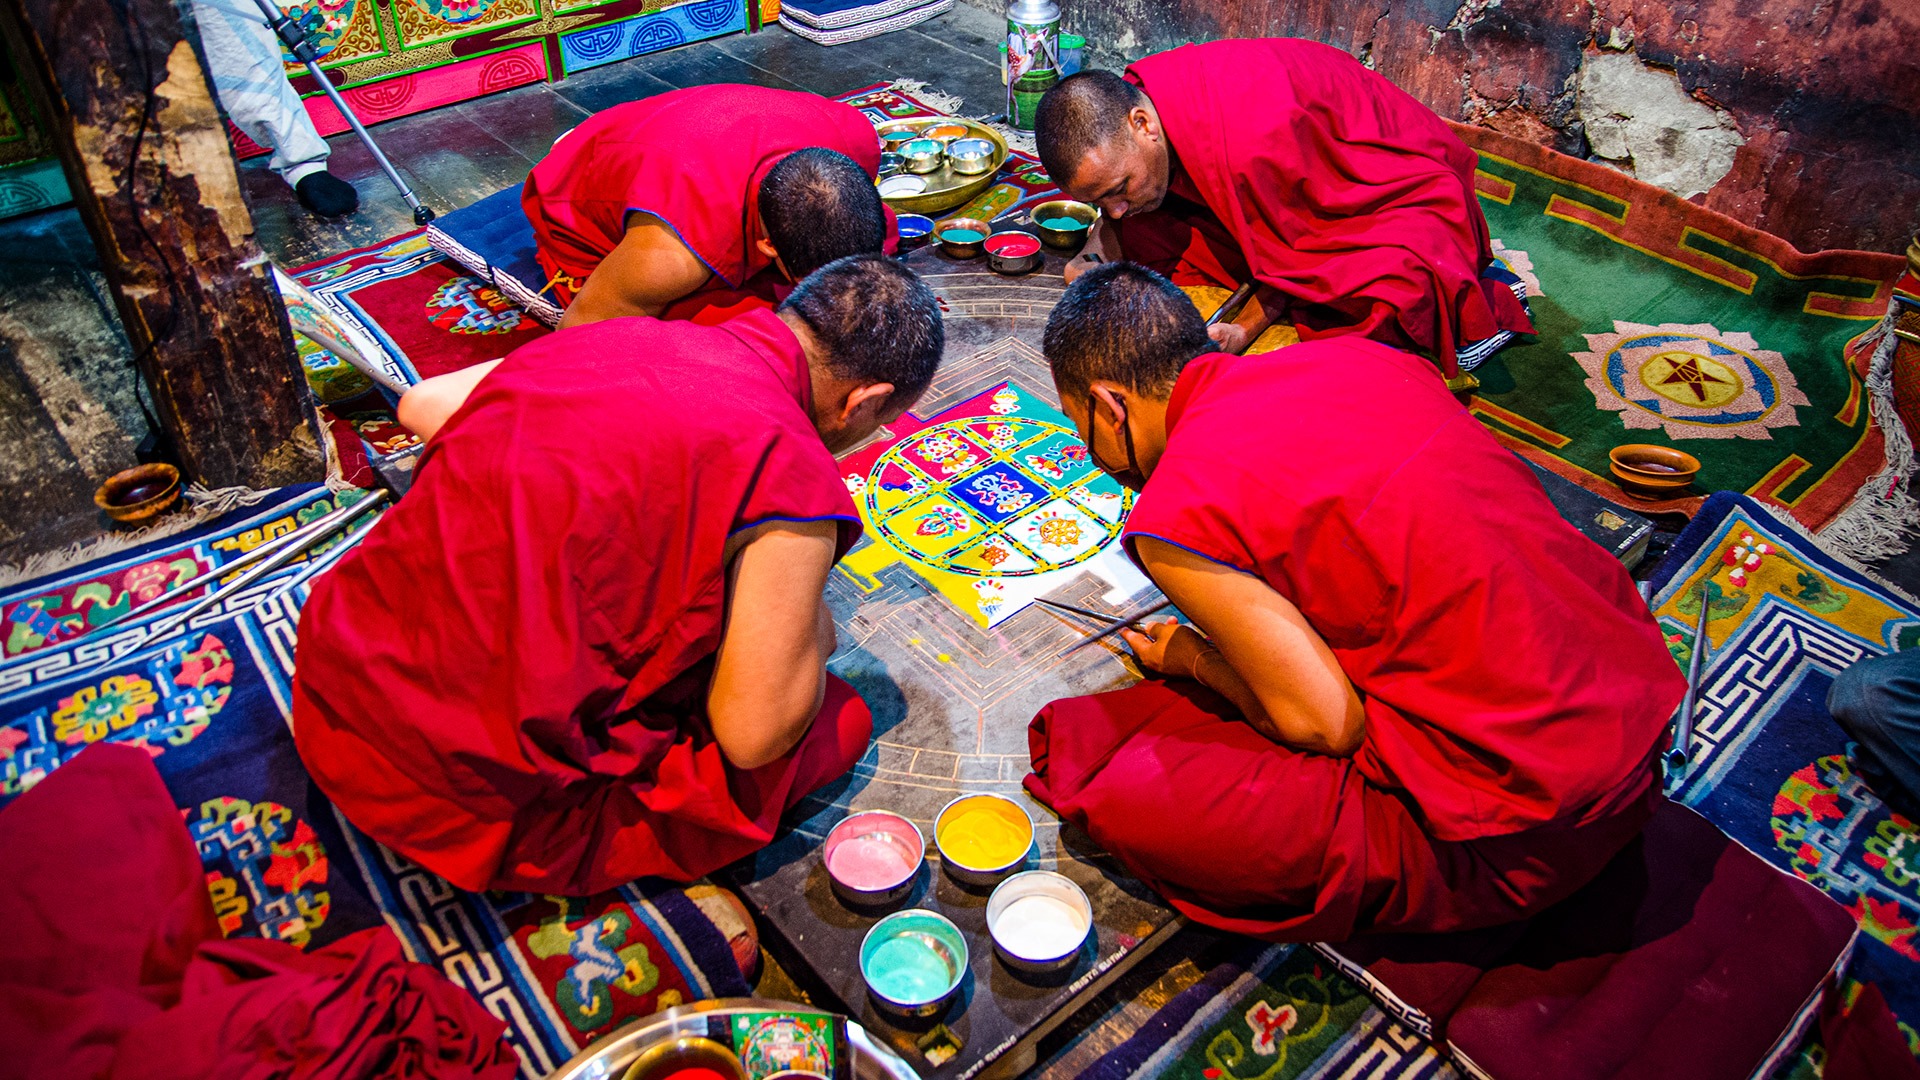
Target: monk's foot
x,y
326,194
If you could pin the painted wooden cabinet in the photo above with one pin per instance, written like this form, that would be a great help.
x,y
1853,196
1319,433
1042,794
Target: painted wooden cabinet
x,y
30,176
397,57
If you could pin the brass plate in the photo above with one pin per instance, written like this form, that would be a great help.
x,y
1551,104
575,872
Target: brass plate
x,y
946,189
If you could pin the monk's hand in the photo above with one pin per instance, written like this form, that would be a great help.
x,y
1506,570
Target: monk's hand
x,y
1168,647
1080,264
1231,337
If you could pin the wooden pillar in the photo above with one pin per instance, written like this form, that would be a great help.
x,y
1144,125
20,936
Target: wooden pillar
x,y
146,154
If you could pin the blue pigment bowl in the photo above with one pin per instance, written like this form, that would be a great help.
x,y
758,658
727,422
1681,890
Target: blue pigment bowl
x,y
913,961
915,231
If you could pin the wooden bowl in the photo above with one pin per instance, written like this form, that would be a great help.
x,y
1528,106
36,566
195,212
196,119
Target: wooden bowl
x,y
140,494
1652,472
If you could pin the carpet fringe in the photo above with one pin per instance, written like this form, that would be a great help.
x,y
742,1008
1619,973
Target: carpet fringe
x,y
1881,520
954,105
204,505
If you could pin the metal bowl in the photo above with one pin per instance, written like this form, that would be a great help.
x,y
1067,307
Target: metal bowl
x,y
893,138
915,927
946,188
1010,811
962,249
891,163
915,230
924,155
901,184
664,1059
1013,251
611,1055
1065,239
1044,887
970,156
881,826
946,130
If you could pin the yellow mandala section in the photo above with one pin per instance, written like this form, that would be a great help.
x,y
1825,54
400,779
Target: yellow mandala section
x,y
1686,378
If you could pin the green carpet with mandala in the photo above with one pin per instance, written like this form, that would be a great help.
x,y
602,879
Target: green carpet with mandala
x,y
1661,322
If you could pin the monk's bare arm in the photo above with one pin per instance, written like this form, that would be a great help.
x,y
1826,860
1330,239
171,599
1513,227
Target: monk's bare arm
x,y
648,270
1103,245
428,404
1269,649
1261,311
769,675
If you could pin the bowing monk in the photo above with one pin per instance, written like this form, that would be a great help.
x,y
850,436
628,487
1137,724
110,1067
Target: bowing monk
x,y
697,203
589,644
1288,163
1416,699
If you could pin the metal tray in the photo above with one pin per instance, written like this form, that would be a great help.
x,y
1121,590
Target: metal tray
x,y
946,189
609,1058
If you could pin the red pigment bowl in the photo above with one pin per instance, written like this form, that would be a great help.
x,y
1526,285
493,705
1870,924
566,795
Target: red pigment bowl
x,y
873,858
1013,252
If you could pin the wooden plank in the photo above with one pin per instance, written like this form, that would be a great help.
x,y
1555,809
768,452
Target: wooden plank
x,y
133,117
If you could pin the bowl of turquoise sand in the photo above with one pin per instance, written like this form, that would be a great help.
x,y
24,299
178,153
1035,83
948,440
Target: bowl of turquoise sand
x,y
913,961
1063,223
962,238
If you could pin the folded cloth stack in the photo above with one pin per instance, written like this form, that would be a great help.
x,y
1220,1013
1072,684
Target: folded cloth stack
x,y
836,22
112,964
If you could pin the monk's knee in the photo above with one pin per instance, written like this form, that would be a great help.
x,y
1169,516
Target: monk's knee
x,y
421,409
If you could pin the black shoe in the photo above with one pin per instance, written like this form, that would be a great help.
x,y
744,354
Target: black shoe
x,y
326,194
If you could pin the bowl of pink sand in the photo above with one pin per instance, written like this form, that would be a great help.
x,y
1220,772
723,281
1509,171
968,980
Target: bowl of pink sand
x,y
872,858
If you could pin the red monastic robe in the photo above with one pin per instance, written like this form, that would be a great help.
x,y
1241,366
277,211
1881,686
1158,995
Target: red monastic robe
x,y
1294,164
1515,686
692,158
113,965
506,682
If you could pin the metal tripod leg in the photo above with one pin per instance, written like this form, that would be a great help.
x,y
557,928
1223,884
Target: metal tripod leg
x,y
296,41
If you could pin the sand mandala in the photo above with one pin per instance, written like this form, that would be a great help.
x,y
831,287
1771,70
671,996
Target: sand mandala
x,y
992,502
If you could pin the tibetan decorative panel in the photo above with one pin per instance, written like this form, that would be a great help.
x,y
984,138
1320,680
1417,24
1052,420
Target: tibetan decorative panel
x,y
423,22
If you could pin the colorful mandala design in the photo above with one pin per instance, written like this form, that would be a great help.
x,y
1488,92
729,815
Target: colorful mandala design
x,y
1839,836
165,703
1005,496
266,870
467,305
1692,381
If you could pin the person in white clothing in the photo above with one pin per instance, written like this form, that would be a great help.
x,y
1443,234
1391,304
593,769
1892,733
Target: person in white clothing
x,y
250,79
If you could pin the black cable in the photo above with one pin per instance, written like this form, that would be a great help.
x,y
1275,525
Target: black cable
x,y
130,24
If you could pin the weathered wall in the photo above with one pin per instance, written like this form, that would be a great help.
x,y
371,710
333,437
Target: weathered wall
x,y
1801,117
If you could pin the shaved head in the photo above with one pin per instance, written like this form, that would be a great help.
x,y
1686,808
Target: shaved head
x,y
1099,137
1084,111
1123,324
820,205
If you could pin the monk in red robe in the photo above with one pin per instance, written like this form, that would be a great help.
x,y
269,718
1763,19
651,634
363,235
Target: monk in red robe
x,y
1422,700
589,644
1288,163
706,201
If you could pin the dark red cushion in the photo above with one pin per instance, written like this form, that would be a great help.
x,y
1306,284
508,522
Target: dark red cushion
x,y
1688,956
